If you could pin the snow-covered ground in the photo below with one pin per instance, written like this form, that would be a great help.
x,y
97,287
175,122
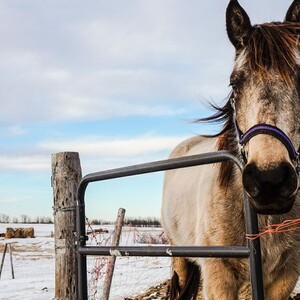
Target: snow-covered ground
x,y
33,262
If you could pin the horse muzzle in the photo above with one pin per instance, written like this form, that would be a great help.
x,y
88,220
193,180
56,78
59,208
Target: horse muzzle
x,y
272,190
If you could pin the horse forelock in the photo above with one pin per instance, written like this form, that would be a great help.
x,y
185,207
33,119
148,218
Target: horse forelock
x,y
272,47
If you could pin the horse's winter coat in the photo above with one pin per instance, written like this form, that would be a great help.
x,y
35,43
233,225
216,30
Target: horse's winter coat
x,y
204,205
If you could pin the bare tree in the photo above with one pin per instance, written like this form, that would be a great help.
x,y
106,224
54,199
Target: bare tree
x,y
24,219
4,218
15,220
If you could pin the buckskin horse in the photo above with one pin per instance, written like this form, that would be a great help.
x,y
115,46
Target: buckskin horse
x,y
261,125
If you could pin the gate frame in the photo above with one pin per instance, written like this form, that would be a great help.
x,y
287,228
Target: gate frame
x,y
251,250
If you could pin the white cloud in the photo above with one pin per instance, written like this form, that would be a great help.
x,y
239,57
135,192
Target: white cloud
x,y
13,131
47,94
97,154
26,162
57,75
14,199
16,130
103,60
111,152
124,147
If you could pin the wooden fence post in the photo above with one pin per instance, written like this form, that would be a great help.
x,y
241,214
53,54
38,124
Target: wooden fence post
x,y
66,175
112,259
11,262
3,258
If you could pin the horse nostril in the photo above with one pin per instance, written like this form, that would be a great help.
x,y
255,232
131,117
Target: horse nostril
x,y
289,181
280,180
250,182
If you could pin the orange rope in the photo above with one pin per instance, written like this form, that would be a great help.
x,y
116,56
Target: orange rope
x,y
287,225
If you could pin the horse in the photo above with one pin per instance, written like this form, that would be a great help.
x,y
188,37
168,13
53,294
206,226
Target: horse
x,y
261,126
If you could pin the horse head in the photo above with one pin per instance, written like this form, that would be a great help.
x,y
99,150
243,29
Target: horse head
x,y
266,107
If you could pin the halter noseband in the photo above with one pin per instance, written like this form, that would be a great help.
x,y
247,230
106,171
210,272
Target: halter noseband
x,y
270,130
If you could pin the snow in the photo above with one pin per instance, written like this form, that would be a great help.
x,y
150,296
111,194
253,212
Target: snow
x,y
33,262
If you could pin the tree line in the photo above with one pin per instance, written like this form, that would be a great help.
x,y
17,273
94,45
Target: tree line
x,y
131,221
25,219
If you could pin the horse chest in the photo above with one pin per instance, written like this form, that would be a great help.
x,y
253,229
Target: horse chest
x,y
278,254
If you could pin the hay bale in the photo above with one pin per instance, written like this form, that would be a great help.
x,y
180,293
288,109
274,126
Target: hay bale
x,y
10,233
28,232
19,233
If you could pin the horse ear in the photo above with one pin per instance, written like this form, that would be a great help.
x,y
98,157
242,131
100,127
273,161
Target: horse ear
x,y
238,24
293,13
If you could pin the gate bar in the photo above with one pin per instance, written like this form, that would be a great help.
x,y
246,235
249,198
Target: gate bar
x,y
256,275
183,251
253,247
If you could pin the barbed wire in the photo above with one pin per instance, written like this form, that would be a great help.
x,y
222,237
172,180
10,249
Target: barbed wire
x,y
133,275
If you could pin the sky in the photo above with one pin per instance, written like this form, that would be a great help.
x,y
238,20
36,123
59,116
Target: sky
x,y
118,81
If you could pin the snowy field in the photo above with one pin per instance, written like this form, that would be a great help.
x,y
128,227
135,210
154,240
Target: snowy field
x,y
33,262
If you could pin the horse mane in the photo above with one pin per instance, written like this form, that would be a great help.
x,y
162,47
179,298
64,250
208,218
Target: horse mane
x,y
226,138
271,46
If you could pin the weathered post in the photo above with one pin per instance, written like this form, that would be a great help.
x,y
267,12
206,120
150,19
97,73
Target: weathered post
x,y
66,175
7,245
11,262
112,259
3,258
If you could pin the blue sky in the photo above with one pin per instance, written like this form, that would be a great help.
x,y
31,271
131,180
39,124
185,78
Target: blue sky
x,y
117,81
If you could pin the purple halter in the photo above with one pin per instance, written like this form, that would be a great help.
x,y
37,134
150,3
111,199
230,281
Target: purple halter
x,y
270,130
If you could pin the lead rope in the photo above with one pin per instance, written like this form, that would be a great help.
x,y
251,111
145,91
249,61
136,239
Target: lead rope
x,y
286,226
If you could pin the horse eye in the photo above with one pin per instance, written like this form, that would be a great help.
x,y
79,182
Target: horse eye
x,y
233,86
236,80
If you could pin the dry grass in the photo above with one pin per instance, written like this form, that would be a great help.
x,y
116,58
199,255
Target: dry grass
x,y
23,248
34,250
161,292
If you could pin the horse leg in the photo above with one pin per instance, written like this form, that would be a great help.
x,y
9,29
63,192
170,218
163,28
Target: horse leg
x,y
180,267
185,279
281,288
220,280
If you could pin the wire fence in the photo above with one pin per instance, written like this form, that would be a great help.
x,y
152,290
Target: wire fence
x,y
132,275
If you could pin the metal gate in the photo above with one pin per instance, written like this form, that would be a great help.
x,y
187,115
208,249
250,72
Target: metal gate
x,y
250,251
